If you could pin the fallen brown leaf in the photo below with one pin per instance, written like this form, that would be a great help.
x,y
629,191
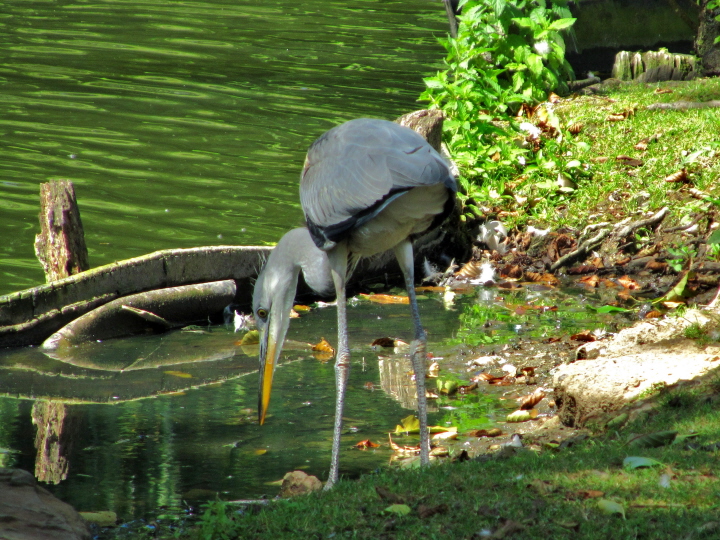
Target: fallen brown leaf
x,y
656,266
404,450
426,511
492,432
629,161
590,493
628,283
323,346
585,336
367,443
528,402
466,389
386,298
529,371
575,128
470,270
582,269
386,495
590,281
537,277
678,177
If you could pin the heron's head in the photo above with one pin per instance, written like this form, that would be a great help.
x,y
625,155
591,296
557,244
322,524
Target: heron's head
x,y
273,299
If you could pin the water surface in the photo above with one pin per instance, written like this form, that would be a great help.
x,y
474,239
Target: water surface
x,y
185,123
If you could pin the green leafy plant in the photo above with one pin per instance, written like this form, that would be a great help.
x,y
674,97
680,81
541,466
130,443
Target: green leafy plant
x,y
680,255
506,54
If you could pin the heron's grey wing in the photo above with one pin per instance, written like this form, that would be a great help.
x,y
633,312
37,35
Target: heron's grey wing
x,y
353,169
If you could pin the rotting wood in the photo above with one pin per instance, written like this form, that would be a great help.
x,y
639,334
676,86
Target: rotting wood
x,y
60,246
28,317
174,306
427,123
34,331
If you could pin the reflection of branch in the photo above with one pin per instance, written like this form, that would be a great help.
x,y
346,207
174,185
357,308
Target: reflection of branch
x,y
51,463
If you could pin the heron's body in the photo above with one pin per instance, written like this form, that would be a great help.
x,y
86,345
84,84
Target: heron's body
x,y
367,186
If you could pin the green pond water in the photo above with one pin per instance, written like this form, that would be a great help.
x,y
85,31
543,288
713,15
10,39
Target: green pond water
x,y
141,426
185,124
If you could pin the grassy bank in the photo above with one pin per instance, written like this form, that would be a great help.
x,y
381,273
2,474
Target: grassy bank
x,y
580,489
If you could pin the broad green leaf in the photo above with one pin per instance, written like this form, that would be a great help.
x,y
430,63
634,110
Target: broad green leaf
x,y
399,509
677,293
433,83
561,24
714,238
636,462
611,507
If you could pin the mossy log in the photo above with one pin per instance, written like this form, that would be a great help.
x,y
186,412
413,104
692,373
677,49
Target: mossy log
x,y
654,66
159,309
28,317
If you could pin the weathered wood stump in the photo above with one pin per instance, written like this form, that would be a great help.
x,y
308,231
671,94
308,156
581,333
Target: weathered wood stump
x,y
60,246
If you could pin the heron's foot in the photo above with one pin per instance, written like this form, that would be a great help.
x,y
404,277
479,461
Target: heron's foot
x,y
329,484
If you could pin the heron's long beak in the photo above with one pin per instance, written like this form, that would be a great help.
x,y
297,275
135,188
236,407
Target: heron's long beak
x,y
267,367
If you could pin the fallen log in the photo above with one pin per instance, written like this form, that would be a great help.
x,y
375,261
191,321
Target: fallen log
x,y
159,309
28,317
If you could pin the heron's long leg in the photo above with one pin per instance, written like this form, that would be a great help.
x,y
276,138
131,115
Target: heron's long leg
x,y
404,254
338,268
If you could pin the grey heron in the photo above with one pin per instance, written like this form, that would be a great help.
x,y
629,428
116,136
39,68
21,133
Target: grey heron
x,y
367,186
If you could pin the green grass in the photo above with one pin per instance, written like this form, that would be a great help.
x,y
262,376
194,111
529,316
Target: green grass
x,y
687,139
532,494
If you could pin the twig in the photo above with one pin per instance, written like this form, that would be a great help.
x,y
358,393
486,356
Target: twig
x,y
685,227
586,246
652,220
241,502
682,105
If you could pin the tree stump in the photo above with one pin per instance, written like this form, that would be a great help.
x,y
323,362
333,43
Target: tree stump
x,y
60,246
428,123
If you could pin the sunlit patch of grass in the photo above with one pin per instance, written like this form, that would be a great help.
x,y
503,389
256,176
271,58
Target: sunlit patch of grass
x,y
687,139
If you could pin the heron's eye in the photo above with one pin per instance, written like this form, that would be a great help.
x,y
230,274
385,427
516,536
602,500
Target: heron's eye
x,y
262,313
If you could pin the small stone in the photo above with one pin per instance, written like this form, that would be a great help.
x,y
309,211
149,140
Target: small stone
x,y
299,483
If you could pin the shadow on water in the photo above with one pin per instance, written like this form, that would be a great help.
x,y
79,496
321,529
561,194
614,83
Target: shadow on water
x,y
140,424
